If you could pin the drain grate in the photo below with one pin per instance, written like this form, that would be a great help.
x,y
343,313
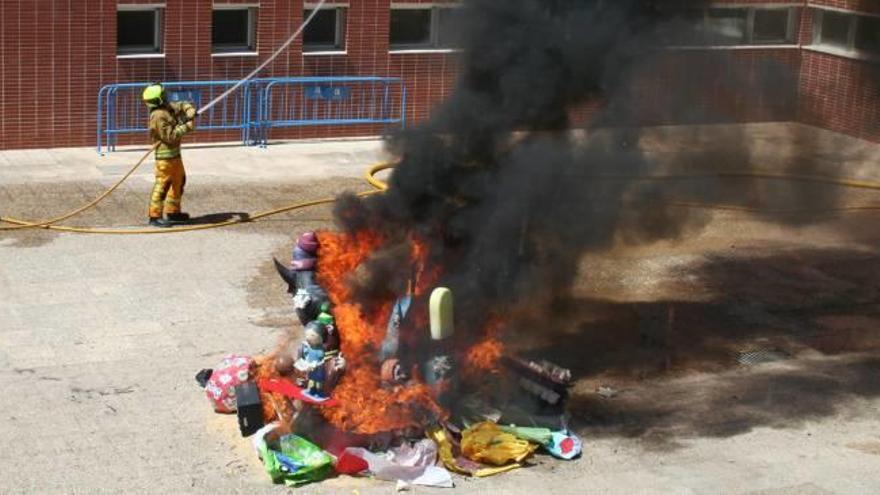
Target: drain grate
x,y
761,356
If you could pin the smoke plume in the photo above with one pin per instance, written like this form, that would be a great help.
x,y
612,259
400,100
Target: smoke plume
x,y
508,197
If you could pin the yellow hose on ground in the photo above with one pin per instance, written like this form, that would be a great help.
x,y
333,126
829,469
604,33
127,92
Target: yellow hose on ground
x,y
381,186
371,175
47,224
22,224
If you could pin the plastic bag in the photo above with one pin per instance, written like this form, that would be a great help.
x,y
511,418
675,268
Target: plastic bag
x,y
412,464
449,455
421,453
486,442
564,445
297,461
541,436
561,444
220,388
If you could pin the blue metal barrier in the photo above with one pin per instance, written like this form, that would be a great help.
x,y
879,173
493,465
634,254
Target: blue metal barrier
x,y
121,111
259,105
317,101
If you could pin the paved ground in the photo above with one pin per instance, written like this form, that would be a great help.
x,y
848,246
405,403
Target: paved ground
x,y
100,336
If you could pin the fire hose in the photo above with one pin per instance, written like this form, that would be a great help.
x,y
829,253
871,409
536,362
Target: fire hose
x,y
24,224
380,186
188,228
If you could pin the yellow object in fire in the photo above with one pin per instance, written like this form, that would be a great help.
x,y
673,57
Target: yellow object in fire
x,y
447,456
441,314
486,442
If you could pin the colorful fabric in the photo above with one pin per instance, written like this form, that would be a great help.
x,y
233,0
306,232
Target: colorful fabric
x,y
168,188
220,389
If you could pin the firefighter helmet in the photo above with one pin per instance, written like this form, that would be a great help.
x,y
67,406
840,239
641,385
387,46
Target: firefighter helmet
x,y
154,95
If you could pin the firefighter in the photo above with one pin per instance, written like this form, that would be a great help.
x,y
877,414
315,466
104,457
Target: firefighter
x,y
169,122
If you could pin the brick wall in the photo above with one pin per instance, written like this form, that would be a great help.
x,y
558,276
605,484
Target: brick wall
x,y
838,92
56,54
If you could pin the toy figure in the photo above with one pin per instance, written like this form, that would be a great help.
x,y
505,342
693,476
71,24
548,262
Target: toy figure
x,y
312,357
335,361
308,296
331,343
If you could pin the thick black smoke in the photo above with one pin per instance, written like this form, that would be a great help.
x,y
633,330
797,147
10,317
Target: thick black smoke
x,y
509,198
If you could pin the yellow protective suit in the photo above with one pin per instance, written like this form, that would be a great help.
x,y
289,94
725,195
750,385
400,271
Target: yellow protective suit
x,y
168,124
168,188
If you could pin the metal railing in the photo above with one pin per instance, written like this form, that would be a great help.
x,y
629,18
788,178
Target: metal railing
x,y
323,101
259,105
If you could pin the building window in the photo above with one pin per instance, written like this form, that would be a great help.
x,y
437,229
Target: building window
x,y
729,26
868,35
849,33
326,32
420,27
234,29
447,20
138,30
772,26
726,26
835,29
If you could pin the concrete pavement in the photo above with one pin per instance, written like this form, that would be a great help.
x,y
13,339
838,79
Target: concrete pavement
x,y
100,338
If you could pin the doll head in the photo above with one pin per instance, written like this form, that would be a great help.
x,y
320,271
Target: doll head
x,y
315,333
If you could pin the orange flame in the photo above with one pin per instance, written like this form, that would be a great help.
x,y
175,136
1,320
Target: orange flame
x,y
364,405
484,357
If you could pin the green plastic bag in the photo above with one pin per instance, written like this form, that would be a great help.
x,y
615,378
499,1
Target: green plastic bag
x,y
540,436
297,462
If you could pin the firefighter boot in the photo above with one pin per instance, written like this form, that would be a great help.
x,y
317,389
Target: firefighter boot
x,y
159,222
179,217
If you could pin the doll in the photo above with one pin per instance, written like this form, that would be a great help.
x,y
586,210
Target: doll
x,y
311,359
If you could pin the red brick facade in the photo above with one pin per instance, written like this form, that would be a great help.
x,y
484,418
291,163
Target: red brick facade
x,y
837,92
56,54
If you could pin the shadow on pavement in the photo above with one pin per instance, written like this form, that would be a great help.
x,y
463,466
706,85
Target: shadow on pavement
x,y
219,218
674,362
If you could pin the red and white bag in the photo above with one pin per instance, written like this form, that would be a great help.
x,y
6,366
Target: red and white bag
x,y
220,388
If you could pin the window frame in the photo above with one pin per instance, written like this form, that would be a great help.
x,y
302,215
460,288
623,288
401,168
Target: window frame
x,y
434,44
140,51
748,41
855,21
790,26
859,23
819,19
340,45
250,48
747,18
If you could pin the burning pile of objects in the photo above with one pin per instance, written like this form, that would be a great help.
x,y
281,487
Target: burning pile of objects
x,y
392,390
492,202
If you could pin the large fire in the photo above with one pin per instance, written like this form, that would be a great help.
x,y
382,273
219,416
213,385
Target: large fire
x,y
365,405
